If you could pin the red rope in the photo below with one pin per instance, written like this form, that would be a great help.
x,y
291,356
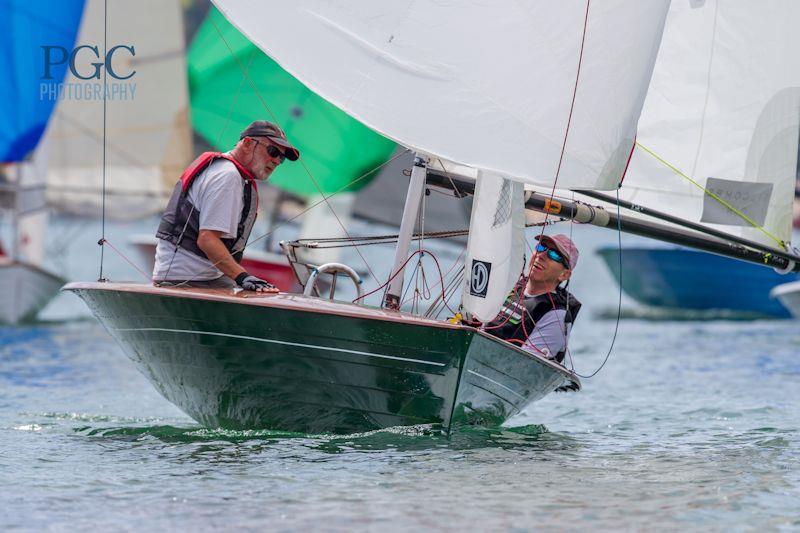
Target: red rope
x,y
402,267
560,163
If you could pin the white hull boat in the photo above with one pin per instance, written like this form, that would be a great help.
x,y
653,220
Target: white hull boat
x,y
26,290
788,294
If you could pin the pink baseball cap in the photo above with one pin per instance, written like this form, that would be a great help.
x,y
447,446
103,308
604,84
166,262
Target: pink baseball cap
x,y
563,244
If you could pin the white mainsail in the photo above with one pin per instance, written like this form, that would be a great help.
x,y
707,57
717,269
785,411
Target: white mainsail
x,y
491,85
148,133
724,109
532,92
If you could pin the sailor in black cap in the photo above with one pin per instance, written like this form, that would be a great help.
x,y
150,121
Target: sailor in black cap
x,y
213,207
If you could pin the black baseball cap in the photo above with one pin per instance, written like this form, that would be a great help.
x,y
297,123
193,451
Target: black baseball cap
x,y
263,128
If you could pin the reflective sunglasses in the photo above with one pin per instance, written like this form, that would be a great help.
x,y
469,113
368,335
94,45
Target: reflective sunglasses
x,y
273,151
554,255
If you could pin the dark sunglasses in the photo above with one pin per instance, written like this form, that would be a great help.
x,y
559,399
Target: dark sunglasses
x,y
555,255
273,151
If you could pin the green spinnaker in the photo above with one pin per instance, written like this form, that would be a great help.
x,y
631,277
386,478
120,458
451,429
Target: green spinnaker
x,y
335,147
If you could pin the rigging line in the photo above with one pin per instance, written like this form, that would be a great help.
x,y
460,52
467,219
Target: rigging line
x,y
105,116
563,330
404,298
128,260
569,121
457,261
709,68
450,291
454,289
572,103
315,204
82,128
571,230
619,301
383,238
302,163
386,284
435,306
235,100
723,202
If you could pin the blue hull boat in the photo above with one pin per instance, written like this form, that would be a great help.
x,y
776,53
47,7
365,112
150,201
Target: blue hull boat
x,y
689,280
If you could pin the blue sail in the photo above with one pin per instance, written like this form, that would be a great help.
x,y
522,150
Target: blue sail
x,y
25,27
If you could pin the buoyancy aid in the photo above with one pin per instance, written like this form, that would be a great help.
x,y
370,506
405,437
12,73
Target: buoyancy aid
x,y
519,314
180,223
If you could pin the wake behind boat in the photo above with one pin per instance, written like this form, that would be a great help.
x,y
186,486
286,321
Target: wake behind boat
x,y
305,364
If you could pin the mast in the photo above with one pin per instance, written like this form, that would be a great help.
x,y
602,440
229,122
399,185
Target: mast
x,y
410,211
751,252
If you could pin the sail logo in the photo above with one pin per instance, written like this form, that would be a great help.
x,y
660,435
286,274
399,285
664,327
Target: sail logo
x,y
86,64
479,278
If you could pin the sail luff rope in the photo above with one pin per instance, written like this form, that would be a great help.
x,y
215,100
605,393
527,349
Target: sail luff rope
x,y
300,160
723,202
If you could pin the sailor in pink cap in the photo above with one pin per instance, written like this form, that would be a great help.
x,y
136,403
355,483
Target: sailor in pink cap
x,y
539,313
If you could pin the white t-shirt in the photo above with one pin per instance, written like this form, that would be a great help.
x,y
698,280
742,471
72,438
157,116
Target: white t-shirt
x,y
549,336
217,194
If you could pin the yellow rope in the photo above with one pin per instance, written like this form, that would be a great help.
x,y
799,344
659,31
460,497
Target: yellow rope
x,y
781,244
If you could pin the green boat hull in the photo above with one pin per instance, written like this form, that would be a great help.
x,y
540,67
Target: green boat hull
x,y
308,365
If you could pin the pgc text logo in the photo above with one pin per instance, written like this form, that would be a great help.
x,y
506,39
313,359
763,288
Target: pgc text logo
x,y
86,64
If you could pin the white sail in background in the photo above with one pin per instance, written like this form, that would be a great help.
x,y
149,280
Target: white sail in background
x,y
492,85
32,216
148,133
724,108
496,247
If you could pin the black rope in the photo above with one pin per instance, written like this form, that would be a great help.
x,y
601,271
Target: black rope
x,y
619,302
102,240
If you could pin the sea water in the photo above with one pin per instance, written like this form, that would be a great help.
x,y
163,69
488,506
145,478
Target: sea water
x,y
691,424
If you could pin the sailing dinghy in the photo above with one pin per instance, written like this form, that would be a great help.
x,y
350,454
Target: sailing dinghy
x,y
483,119
25,284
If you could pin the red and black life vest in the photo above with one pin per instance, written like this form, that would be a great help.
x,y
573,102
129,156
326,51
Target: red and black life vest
x,y
180,224
519,314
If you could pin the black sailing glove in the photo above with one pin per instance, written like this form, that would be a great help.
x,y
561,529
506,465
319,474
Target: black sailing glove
x,y
252,283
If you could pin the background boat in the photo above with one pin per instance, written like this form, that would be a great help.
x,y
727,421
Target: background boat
x,y
266,265
26,104
788,294
679,281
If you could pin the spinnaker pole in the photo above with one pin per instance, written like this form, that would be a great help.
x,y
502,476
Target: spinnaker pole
x,y
686,223
743,250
